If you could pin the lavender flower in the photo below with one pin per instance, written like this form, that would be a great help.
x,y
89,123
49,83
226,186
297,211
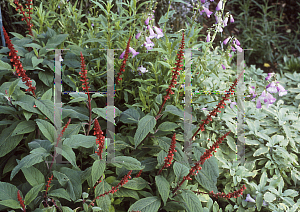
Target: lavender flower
x,y
237,42
226,40
281,90
225,21
142,69
138,35
239,48
206,10
133,52
208,37
269,76
219,6
271,87
231,19
152,34
159,32
149,44
147,21
223,67
250,199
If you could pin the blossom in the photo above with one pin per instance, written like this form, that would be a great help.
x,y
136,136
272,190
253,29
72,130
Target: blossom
x,y
152,34
27,19
219,6
138,35
48,184
232,103
206,10
147,21
133,52
100,139
271,87
139,174
281,90
269,76
250,199
226,40
223,67
233,49
83,73
148,44
239,48
252,92
225,21
142,69
237,42
159,32
17,64
231,19
21,201
208,37
169,158
230,55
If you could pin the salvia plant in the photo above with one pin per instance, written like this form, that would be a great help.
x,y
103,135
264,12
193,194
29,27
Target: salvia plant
x,y
150,170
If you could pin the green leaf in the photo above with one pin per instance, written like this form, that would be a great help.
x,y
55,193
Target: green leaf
x,y
7,141
178,112
46,77
145,125
4,66
124,192
103,111
149,204
68,153
260,151
259,201
173,206
14,204
129,163
263,179
136,184
79,140
27,102
231,143
47,129
8,191
180,170
36,61
47,94
130,116
24,127
56,40
62,178
103,202
13,86
269,197
158,99
46,107
167,126
36,156
163,187
33,176
165,64
32,194
60,193
98,169
192,201
74,185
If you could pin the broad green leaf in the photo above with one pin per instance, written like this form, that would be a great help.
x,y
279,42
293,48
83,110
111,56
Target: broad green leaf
x,y
263,179
14,204
8,191
158,99
36,156
180,170
124,192
32,193
59,193
192,201
130,116
259,201
7,141
46,107
167,65
269,197
47,95
33,176
167,126
174,206
148,204
145,125
163,187
74,186
46,77
24,127
129,163
47,129
260,151
231,143
56,39
178,112
61,177
136,184
27,103
98,169
80,141
13,86
103,111
68,153
4,66
103,202
36,61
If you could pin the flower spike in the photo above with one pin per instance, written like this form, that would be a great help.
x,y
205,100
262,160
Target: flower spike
x,y
21,201
100,138
124,62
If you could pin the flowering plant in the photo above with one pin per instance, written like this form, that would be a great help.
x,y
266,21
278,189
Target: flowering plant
x,y
147,146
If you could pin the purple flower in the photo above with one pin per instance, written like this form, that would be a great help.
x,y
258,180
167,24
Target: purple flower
x,y
225,21
138,35
269,100
58,6
159,32
92,25
239,48
223,67
148,44
249,199
271,87
147,21
142,69
208,37
269,76
208,13
233,49
152,34
202,1
252,92
237,42
133,52
281,90
219,6
231,19
226,40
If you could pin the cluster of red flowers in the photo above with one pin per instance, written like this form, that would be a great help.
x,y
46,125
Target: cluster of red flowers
x,y
178,68
124,62
100,138
48,184
83,74
17,63
27,19
115,189
234,194
21,201
169,158
139,174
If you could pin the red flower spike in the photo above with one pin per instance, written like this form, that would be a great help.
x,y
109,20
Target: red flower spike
x,y
169,158
207,154
17,64
139,174
27,19
124,62
63,130
115,189
21,201
48,184
174,77
100,138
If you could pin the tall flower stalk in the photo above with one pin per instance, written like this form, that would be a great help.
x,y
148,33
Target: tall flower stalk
x,y
124,62
85,86
17,64
27,19
174,77
100,138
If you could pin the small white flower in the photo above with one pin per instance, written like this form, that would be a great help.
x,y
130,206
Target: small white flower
x,y
142,69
